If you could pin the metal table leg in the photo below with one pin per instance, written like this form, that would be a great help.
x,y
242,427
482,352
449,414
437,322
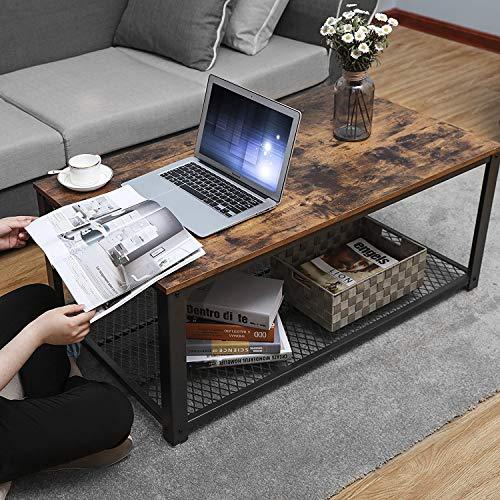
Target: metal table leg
x,y
482,221
54,279
173,367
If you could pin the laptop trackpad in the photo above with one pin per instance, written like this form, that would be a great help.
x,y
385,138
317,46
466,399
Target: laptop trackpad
x,y
152,186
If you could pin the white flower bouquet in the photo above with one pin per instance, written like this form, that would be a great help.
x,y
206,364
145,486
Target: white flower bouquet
x,y
357,37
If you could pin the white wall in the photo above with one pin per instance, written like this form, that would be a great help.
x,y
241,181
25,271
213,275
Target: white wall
x,y
481,15
386,5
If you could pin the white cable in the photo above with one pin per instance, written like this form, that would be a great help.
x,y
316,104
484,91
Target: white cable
x,y
338,8
374,12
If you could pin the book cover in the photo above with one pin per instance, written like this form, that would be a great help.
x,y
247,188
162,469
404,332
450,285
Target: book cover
x,y
203,329
238,298
230,347
232,360
348,265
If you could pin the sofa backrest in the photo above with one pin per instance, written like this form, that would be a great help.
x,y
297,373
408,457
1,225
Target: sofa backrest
x,y
303,19
38,31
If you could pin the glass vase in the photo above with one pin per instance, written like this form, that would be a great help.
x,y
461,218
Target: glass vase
x,y
353,106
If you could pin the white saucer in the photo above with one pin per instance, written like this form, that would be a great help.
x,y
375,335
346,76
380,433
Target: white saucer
x,y
105,176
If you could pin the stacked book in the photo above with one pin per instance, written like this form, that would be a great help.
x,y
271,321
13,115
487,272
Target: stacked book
x,y
234,320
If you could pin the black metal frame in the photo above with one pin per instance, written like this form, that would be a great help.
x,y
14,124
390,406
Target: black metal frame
x,y
172,318
483,220
173,413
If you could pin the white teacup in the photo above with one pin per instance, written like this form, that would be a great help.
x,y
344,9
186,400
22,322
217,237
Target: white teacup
x,y
84,170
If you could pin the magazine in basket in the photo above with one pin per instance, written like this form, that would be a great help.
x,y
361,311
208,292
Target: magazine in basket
x,y
348,265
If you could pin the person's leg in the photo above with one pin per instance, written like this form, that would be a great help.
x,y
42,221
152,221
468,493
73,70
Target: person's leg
x,y
46,371
40,433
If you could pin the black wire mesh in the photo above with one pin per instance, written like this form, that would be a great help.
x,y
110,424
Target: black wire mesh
x,y
130,337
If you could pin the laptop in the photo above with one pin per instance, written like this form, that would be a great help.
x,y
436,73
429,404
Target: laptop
x,y
240,163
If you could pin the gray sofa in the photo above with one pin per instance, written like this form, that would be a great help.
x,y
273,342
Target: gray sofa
x,y
65,90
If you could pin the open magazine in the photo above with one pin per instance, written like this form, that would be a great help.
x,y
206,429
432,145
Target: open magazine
x,y
109,248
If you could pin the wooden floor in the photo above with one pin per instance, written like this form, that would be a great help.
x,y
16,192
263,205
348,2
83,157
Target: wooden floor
x,y
461,460
446,80
460,85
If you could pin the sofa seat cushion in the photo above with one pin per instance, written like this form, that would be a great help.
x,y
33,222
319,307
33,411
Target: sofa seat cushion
x,y
283,67
105,100
28,147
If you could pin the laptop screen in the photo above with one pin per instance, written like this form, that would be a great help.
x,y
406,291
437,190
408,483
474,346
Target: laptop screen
x,y
248,138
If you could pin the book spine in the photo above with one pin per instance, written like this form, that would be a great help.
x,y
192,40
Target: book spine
x,y
227,332
223,315
229,348
248,360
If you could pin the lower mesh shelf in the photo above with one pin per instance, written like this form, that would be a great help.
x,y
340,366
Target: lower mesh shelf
x,y
130,337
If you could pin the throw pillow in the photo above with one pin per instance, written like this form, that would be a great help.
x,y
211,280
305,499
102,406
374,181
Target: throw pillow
x,y
252,24
187,31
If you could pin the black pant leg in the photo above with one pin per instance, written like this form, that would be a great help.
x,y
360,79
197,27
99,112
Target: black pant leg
x,y
47,370
39,433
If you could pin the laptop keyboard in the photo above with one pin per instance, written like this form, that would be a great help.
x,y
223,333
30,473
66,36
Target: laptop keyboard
x,y
213,190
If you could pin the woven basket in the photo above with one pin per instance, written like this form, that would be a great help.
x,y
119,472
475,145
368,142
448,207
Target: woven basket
x,y
334,311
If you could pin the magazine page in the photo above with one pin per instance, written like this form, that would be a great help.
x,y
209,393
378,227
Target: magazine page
x,y
111,245
112,305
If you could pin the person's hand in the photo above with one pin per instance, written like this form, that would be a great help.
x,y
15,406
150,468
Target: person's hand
x,y
12,232
63,325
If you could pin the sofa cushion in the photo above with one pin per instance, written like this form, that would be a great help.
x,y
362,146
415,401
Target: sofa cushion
x,y
189,32
105,100
28,147
303,19
36,32
285,66
252,24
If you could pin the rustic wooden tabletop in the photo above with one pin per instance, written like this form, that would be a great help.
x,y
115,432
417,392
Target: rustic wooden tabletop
x,y
329,181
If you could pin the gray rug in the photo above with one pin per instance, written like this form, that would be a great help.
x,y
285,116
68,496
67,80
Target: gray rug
x,y
312,437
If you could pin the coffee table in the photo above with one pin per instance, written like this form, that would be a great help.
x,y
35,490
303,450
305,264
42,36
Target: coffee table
x,y
330,183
